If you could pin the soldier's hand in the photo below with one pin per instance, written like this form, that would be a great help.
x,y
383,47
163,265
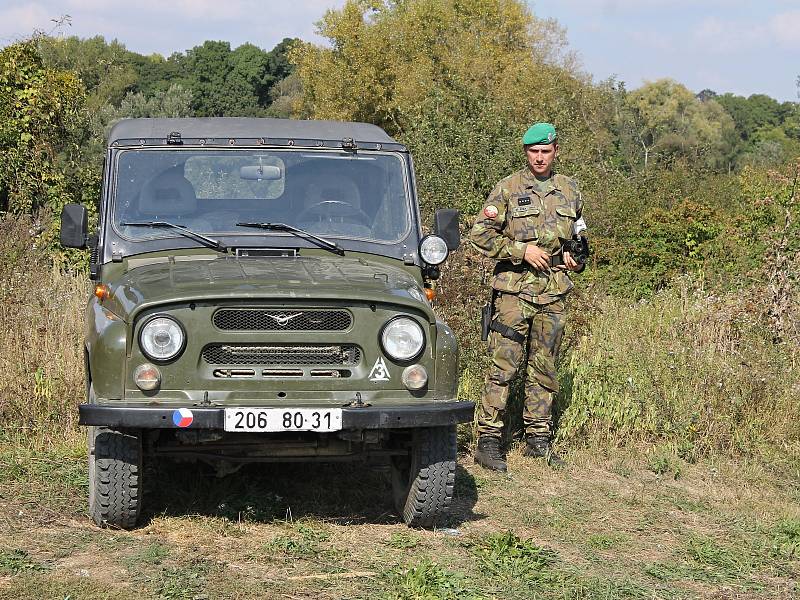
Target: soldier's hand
x,y
537,258
570,263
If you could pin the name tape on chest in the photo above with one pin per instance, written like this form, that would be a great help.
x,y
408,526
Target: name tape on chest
x,y
525,211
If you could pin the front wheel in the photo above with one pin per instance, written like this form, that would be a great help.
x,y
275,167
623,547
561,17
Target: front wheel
x,y
115,477
423,481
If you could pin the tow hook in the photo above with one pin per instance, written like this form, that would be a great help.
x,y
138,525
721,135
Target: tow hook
x,y
358,402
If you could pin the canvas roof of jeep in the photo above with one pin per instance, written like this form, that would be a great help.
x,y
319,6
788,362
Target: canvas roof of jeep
x,y
242,131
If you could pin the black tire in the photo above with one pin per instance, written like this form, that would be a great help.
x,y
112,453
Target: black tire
x,y
115,482
422,483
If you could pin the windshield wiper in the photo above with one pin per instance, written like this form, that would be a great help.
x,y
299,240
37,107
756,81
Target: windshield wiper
x,y
207,241
327,244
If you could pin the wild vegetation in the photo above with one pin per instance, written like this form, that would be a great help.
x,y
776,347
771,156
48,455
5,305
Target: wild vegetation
x,y
679,371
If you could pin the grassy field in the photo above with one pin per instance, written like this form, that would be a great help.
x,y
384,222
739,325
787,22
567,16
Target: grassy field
x,y
678,415
623,525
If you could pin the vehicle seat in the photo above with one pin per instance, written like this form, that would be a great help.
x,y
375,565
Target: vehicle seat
x,y
169,196
334,207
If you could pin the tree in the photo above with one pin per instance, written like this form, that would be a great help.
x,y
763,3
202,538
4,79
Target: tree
x,y
103,67
665,119
226,82
41,108
458,80
42,121
278,65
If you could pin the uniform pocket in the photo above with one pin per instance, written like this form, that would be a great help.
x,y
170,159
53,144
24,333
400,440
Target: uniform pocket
x,y
566,221
524,222
566,211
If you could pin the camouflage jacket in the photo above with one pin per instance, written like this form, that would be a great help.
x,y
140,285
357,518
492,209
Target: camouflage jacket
x,y
521,211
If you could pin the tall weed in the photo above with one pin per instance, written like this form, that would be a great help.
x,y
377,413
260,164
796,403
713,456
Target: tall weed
x,y
697,370
41,331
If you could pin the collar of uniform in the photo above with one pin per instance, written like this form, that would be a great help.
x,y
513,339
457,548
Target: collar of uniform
x,y
546,186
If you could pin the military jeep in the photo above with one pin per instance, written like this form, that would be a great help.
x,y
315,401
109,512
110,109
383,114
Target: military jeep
x,y
262,293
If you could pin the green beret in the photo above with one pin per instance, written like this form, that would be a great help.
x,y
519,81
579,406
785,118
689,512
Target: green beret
x,y
540,133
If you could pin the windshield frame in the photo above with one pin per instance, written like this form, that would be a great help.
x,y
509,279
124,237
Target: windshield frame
x,y
116,245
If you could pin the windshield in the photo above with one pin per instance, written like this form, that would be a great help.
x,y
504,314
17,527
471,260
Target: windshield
x,y
328,193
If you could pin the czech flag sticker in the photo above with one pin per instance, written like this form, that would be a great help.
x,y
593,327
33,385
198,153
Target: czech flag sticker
x,y
182,417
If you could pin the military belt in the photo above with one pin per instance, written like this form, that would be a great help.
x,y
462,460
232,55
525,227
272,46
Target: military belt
x,y
507,332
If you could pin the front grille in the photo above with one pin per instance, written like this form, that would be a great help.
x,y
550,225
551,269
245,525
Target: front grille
x,y
262,319
334,355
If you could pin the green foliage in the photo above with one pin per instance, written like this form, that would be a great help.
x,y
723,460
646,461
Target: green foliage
x,y
786,538
304,539
505,555
428,581
225,82
663,121
767,131
662,460
103,68
40,109
16,561
404,540
453,80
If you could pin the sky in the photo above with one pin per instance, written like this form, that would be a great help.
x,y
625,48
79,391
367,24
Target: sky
x,y
739,46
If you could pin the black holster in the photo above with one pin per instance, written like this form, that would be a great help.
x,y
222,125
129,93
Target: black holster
x,y
487,312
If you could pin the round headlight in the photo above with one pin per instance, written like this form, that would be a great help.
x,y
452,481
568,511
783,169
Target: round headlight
x,y
402,338
162,338
433,249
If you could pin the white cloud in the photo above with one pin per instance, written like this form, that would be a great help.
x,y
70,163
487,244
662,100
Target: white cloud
x,y
167,26
623,8
729,36
20,21
720,36
785,27
648,41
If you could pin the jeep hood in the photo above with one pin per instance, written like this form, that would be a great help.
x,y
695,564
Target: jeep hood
x,y
167,280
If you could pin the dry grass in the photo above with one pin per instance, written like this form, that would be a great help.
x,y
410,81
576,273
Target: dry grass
x,y
682,511
606,527
692,371
41,331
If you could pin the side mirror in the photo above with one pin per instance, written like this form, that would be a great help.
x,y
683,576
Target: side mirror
x,y
445,225
74,226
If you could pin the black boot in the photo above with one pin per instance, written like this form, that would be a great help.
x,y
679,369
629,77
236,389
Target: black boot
x,y
538,446
488,454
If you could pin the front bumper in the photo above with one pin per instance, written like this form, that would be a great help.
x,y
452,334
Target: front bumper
x,y
367,417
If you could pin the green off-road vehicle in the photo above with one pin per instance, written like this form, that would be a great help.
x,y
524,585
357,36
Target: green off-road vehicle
x,y
262,295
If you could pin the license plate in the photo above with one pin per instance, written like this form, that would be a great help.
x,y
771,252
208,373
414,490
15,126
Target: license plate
x,y
283,419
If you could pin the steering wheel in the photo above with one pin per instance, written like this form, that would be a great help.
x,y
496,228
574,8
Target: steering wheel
x,y
335,208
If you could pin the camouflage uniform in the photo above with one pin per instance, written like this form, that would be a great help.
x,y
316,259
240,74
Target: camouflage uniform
x,y
522,210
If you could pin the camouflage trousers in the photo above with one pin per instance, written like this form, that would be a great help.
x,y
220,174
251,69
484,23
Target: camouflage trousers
x,y
543,326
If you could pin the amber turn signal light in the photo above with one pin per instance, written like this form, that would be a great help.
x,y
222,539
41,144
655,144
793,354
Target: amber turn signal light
x,y
430,294
101,291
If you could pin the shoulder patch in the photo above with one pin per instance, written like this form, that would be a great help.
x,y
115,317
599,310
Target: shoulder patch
x,y
491,211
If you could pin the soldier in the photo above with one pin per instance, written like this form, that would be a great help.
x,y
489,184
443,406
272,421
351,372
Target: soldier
x,y
520,226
